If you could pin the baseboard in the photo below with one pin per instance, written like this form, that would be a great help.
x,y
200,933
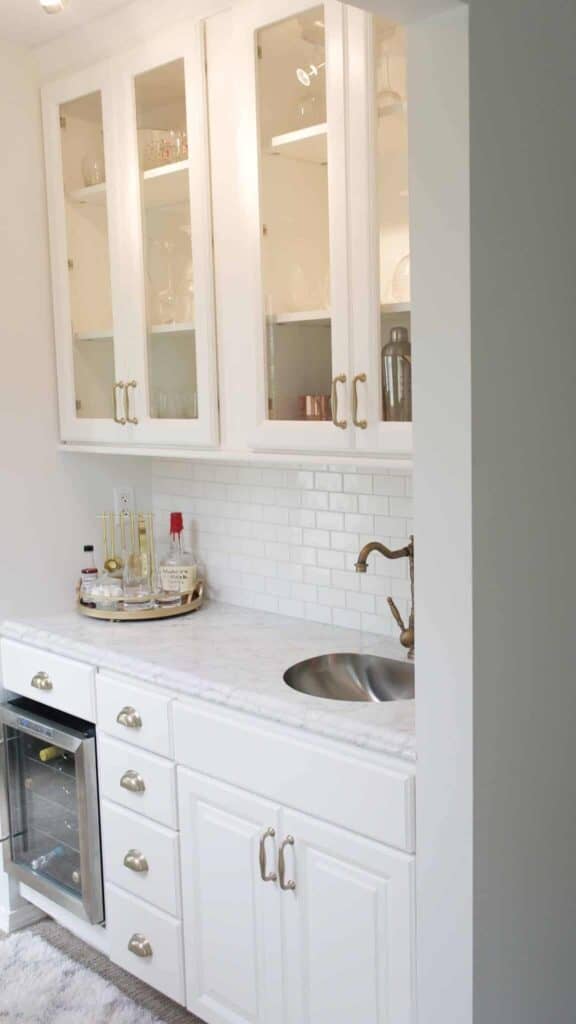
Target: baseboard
x,y
94,935
20,917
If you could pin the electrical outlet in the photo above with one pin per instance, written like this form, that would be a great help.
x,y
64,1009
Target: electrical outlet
x,y
124,499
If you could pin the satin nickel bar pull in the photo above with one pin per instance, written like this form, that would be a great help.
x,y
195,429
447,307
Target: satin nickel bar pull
x,y
140,946
133,782
136,861
340,379
42,681
119,386
272,877
129,717
360,378
129,419
290,885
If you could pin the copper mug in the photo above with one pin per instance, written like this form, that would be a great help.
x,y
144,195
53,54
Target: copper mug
x,y
315,407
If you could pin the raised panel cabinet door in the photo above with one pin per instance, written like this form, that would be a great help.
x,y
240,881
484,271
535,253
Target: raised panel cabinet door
x,y
291,249
231,915
348,927
169,313
84,180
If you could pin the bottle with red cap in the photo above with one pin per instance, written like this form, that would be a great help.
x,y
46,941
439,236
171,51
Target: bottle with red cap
x,y
178,570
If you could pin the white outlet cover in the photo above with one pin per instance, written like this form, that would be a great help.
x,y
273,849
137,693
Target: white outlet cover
x,y
124,499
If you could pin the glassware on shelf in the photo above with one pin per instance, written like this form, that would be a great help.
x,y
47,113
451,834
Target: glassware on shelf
x,y
388,100
315,407
165,299
161,146
400,287
93,167
397,377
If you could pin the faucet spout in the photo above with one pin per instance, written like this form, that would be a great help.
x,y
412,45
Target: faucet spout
x,y
407,631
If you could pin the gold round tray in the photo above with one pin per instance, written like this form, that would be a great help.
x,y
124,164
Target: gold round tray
x,y
191,604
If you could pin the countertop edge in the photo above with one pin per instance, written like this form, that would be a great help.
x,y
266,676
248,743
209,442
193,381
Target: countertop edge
x,y
380,740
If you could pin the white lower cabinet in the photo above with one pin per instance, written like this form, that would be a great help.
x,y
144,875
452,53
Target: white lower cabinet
x,y
328,940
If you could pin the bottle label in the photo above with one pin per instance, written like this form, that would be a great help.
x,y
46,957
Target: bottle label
x,y
180,579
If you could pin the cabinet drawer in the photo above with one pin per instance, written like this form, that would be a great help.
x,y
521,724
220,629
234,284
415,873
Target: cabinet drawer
x,y
353,789
131,922
141,856
144,715
49,678
138,780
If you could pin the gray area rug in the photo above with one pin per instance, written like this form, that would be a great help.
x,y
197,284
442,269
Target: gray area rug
x,y
48,976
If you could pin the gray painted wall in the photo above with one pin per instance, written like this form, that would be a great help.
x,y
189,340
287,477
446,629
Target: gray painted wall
x,y
523,245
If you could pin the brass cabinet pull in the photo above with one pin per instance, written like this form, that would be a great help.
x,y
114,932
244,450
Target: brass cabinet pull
x,y
139,945
340,379
119,386
129,717
41,681
133,782
129,419
272,876
136,861
290,885
360,378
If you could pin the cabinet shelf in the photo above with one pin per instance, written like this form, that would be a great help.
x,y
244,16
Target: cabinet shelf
x,y
93,336
176,328
322,316
306,144
162,186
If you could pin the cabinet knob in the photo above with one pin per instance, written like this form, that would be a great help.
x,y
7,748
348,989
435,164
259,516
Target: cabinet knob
x,y
133,782
264,875
340,379
140,946
41,681
129,717
290,885
136,861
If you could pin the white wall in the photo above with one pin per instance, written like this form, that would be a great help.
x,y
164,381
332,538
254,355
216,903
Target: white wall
x,y
523,232
439,201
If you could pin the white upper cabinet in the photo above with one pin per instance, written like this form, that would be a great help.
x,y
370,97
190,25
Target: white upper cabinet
x,y
130,229
256,166
322,148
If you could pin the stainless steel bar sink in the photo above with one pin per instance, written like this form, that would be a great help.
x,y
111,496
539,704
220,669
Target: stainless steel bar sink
x,y
355,677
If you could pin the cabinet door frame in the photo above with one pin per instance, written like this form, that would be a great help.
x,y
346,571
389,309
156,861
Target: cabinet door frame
x,y
292,435
186,42
390,875
196,794
95,79
378,436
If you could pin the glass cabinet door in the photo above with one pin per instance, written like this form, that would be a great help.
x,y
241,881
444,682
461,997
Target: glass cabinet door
x,y
382,382
297,64
81,180
174,386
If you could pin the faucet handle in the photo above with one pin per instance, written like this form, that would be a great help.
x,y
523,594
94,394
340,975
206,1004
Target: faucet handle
x,y
396,614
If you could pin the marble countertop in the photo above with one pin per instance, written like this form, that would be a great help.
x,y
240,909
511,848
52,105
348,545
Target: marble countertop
x,y
236,657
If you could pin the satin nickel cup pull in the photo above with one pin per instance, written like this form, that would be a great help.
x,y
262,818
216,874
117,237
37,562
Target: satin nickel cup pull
x,y
136,861
133,782
129,717
41,681
287,886
140,946
264,875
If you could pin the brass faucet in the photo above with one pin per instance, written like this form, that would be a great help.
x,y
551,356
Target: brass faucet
x,y
407,631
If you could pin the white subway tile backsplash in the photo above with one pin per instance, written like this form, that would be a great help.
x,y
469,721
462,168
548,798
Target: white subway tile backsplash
x,y
285,539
